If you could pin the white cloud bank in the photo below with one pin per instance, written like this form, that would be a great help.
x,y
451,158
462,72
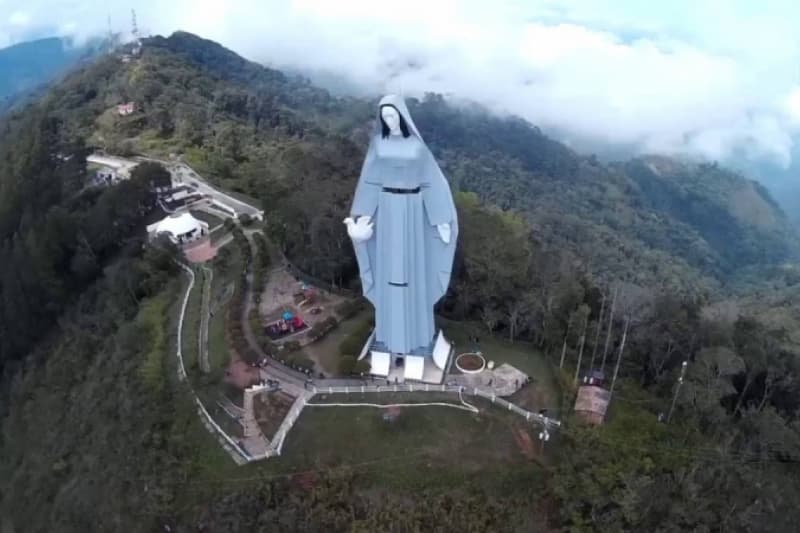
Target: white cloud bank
x,y
717,79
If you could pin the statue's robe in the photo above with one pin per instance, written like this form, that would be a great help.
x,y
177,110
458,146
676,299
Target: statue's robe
x,y
405,267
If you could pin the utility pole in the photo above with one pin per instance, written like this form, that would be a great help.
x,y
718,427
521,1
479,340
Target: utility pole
x,y
564,346
677,389
597,330
610,326
580,350
619,357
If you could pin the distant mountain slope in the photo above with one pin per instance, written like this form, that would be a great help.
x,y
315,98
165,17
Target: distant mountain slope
x,y
653,221
27,65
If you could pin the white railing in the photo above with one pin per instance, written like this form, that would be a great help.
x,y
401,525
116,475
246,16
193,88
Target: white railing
x,y
276,445
408,387
182,373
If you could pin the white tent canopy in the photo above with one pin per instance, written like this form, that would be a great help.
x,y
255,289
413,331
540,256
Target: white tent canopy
x,y
180,227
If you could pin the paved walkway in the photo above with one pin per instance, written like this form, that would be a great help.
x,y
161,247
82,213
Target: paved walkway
x,y
297,384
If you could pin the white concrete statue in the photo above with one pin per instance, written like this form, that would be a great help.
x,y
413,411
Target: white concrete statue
x,y
404,229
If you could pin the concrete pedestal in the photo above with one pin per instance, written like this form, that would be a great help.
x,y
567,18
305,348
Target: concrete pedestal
x,y
424,368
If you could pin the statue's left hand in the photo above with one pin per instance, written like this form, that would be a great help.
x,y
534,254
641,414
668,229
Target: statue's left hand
x,y
444,232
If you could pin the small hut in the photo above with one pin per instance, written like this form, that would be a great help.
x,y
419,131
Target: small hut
x,y
592,403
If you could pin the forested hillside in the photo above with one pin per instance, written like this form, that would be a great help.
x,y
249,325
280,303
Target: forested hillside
x,y
652,221
98,435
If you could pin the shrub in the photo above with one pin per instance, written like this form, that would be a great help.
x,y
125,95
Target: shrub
x,y
361,367
346,364
348,308
354,342
320,329
291,346
301,362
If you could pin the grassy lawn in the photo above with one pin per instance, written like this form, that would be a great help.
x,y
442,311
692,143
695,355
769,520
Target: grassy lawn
x,y
543,392
211,387
191,325
218,355
423,447
242,197
217,234
325,352
206,217
226,275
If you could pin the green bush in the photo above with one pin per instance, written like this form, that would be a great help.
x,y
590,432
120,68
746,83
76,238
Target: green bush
x,y
361,367
291,346
320,329
300,361
354,342
346,364
348,308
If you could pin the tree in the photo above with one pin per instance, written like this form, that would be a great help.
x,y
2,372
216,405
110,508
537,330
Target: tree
x,y
152,173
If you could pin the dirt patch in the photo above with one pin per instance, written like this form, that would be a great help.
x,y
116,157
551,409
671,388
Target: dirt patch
x,y
283,292
524,442
270,409
470,362
305,480
241,375
534,396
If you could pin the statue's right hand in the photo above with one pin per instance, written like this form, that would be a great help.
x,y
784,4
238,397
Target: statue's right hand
x,y
359,230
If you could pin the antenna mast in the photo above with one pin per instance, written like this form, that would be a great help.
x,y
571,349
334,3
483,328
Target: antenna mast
x,y
134,27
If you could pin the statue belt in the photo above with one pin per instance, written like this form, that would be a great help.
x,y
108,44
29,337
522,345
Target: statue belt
x,y
401,191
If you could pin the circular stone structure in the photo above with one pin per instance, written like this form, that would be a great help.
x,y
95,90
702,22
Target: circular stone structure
x,y
470,363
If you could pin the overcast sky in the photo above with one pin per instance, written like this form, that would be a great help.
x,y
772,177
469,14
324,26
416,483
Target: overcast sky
x,y
709,77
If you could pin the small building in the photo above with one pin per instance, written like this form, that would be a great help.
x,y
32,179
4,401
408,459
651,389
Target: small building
x,y
113,168
106,176
181,228
592,403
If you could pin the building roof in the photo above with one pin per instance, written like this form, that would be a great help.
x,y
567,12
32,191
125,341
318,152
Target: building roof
x,y
593,399
179,224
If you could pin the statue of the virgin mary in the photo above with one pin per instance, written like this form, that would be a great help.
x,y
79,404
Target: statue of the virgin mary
x,y
404,228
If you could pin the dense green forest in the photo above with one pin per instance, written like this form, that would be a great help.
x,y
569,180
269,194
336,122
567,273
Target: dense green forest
x,y
97,435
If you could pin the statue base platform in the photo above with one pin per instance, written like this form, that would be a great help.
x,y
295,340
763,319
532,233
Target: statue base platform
x,y
429,367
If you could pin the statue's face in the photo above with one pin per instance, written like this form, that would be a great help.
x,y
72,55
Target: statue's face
x,y
392,119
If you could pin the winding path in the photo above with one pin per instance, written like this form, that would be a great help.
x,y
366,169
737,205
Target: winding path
x,y
297,383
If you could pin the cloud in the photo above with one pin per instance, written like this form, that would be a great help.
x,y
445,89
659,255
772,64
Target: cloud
x,y
710,78
19,18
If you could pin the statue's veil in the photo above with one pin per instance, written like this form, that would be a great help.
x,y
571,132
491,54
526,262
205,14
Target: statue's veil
x,y
400,104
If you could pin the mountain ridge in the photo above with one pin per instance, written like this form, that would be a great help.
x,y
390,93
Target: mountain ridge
x,y
686,226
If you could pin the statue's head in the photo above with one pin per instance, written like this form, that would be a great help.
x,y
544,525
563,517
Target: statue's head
x,y
392,122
